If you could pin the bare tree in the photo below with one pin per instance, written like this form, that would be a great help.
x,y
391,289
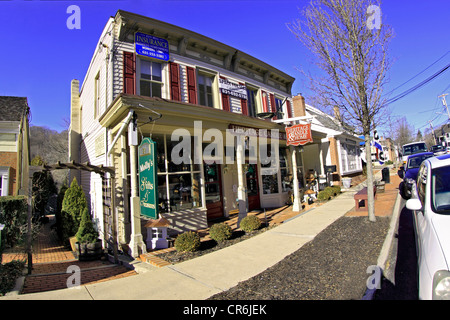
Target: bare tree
x,y
351,53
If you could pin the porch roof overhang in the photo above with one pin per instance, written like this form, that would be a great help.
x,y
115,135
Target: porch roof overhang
x,y
186,113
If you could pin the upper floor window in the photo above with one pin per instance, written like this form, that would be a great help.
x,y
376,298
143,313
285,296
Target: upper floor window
x,y
205,90
251,102
278,108
150,83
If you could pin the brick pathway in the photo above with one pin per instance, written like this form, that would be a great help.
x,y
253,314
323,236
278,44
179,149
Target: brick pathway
x,y
52,260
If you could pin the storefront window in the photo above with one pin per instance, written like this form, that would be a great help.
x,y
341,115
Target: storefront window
x,y
178,185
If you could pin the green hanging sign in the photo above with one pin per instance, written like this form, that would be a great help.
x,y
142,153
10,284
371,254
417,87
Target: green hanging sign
x,y
148,180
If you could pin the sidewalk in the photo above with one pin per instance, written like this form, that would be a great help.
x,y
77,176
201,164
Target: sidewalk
x,y
202,277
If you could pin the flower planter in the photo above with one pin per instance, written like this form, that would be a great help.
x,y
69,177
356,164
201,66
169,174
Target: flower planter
x,y
89,251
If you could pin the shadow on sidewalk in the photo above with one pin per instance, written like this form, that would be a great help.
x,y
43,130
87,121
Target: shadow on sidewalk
x,y
404,284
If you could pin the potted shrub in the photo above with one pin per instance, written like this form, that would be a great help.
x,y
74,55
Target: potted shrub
x,y
89,246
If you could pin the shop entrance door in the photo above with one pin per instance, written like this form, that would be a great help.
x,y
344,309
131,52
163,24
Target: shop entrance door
x,y
252,187
213,191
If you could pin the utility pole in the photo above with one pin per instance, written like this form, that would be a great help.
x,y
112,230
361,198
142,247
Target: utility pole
x,y
432,131
445,103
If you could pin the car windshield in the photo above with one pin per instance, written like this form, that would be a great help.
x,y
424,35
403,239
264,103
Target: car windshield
x,y
414,148
440,190
414,162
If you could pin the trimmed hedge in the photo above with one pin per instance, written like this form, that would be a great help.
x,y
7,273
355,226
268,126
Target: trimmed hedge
x,y
13,214
220,232
187,242
250,223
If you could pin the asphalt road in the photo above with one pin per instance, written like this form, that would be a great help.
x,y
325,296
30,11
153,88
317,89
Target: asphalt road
x,y
400,277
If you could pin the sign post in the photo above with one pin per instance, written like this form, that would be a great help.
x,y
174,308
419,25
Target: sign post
x,y
148,180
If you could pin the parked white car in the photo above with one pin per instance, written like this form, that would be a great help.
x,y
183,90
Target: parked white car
x,y
431,211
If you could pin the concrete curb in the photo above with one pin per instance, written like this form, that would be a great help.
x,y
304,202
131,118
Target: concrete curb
x,y
387,245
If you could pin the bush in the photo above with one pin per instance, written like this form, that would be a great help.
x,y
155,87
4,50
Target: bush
x,y
187,242
250,223
86,232
220,232
334,190
9,272
324,195
73,206
13,214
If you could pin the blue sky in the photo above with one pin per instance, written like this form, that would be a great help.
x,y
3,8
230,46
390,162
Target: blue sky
x,y
39,55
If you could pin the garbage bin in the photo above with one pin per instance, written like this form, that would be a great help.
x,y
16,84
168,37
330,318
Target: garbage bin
x,y
385,175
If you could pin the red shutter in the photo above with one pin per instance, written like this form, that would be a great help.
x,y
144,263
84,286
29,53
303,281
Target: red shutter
x,y
129,73
192,87
273,105
175,93
244,107
289,110
225,100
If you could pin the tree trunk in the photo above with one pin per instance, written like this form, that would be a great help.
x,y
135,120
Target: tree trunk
x,y
370,180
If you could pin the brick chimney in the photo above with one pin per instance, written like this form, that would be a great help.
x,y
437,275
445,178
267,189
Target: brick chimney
x,y
299,106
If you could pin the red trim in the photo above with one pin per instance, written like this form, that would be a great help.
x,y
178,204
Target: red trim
x,y
129,72
289,110
244,105
225,100
273,105
175,92
192,86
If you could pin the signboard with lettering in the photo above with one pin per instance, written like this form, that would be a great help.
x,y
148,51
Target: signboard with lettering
x,y
232,89
299,134
148,180
150,46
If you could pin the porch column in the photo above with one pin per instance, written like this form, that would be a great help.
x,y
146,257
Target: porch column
x,y
297,204
137,244
242,202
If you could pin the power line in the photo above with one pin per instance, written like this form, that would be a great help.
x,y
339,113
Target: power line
x,y
419,73
417,86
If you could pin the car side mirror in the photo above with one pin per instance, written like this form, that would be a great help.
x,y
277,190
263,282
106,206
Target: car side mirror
x,y
414,204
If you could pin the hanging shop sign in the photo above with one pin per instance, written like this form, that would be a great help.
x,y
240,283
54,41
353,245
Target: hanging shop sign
x,y
299,134
148,188
150,46
232,89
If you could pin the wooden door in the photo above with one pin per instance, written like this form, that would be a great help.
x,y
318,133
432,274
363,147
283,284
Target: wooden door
x,y
252,187
213,191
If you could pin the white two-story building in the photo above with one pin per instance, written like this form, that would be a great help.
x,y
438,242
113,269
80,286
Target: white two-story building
x,y
150,79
